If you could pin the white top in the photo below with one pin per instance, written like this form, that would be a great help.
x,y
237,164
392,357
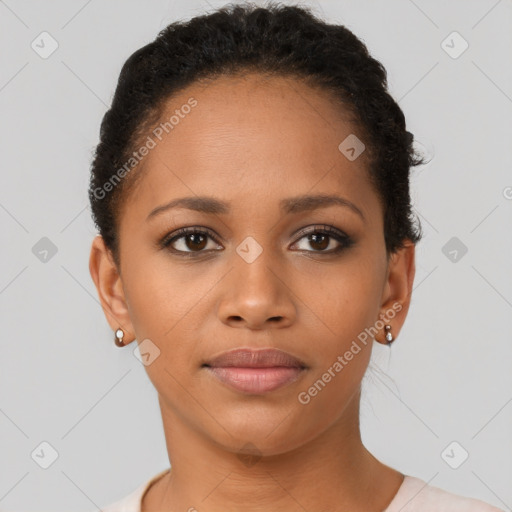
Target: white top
x,y
414,495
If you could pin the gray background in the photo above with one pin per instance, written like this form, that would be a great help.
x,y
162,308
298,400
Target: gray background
x,y
63,381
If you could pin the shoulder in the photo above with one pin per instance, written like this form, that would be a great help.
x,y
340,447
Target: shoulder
x,y
130,503
133,501
415,495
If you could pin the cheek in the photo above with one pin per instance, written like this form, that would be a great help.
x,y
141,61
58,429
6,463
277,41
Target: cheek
x,y
161,307
159,295
344,298
167,305
347,306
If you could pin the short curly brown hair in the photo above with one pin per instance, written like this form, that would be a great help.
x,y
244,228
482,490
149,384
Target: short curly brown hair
x,y
276,39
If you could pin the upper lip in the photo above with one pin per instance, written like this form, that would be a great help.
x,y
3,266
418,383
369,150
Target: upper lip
x,y
250,358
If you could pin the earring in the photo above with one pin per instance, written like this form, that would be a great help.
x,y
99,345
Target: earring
x,y
389,336
119,334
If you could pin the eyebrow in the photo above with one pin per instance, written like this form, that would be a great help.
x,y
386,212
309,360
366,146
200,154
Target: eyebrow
x,y
291,205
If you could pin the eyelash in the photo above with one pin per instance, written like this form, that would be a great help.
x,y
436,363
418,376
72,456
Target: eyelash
x,y
330,231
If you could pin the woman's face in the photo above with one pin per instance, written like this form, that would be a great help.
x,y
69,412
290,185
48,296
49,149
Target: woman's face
x,y
255,280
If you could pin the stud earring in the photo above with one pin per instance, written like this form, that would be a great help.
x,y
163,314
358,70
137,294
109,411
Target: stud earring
x,y
389,336
119,335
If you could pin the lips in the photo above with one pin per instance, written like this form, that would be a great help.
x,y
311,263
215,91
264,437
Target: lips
x,y
255,372
262,358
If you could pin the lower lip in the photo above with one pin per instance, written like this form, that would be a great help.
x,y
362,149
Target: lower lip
x,y
256,380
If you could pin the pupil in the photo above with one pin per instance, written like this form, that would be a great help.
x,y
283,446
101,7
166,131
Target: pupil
x,y
194,238
314,239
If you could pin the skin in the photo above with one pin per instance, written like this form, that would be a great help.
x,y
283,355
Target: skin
x,y
253,141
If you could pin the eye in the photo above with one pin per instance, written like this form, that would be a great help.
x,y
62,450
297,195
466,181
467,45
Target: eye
x,y
189,240
194,240
323,237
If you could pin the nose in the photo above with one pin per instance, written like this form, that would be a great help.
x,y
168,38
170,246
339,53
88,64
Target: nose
x,y
257,296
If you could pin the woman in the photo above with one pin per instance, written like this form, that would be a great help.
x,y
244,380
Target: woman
x,y
251,193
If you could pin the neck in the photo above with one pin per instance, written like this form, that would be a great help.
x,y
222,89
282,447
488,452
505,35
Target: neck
x,y
333,471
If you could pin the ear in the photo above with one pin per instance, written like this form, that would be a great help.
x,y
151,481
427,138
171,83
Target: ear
x,y
397,292
107,279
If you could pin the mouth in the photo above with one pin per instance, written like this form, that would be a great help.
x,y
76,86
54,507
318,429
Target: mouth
x,y
255,371
249,358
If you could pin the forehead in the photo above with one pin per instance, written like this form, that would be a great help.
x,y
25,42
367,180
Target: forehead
x,y
248,113
251,137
